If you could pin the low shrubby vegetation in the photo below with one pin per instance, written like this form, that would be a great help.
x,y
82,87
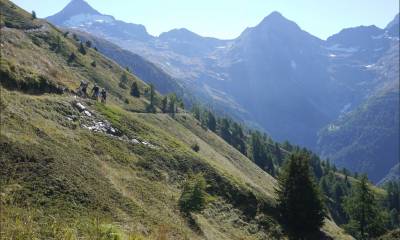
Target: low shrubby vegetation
x,y
194,196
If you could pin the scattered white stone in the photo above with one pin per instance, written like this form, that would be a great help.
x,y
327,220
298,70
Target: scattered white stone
x,y
80,107
112,130
87,113
95,124
135,141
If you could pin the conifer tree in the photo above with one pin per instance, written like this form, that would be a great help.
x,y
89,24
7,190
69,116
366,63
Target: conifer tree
x,y
71,57
300,203
82,49
259,153
33,15
225,130
172,104
278,154
75,37
164,104
151,107
366,220
180,103
211,121
238,139
88,44
193,198
152,95
196,111
135,90
123,81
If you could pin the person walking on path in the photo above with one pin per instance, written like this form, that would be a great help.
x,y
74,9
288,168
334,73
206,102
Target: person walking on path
x,y
95,92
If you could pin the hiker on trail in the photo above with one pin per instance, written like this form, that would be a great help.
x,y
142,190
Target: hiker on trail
x,y
82,90
95,92
103,95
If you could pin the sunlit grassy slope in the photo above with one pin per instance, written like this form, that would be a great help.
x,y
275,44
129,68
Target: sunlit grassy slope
x,y
59,180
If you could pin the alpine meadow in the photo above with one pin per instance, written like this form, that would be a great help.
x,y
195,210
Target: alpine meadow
x,y
109,132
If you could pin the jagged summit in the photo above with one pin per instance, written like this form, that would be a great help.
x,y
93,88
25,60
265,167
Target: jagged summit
x,y
79,14
275,18
274,15
275,22
74,8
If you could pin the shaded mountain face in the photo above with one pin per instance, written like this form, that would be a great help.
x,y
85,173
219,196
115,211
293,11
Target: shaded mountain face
x,y
392,29
367,139
274,76
145,70
392,176
274,61
187,43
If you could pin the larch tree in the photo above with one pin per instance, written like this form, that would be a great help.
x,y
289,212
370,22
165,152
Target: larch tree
x,y
366,220
300,203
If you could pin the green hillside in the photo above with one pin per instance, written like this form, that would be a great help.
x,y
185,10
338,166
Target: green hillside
x,y
73,168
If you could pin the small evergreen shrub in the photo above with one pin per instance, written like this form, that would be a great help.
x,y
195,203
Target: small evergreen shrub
x,y
82,49
194,197
71,57
195,147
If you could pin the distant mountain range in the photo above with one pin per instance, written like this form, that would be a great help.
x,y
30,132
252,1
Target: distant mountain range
x,y
279,78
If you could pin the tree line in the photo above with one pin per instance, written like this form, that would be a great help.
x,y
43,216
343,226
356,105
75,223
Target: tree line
x,y
309,188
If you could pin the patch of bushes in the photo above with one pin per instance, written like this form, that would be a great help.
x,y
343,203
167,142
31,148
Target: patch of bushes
x,y
195,147
30,84
194,196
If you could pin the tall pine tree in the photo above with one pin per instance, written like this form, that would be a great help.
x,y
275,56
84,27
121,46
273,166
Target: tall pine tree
x,y
225,131
211,121
172,104
300,203
164,104
366,220
259,153
151,107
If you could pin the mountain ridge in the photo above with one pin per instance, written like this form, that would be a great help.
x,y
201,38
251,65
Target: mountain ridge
x,y
247,76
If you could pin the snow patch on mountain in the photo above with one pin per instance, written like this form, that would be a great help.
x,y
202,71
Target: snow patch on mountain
x,y
339,48
88,19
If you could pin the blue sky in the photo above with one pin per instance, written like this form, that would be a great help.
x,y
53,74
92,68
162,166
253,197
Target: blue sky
x,y
226,19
